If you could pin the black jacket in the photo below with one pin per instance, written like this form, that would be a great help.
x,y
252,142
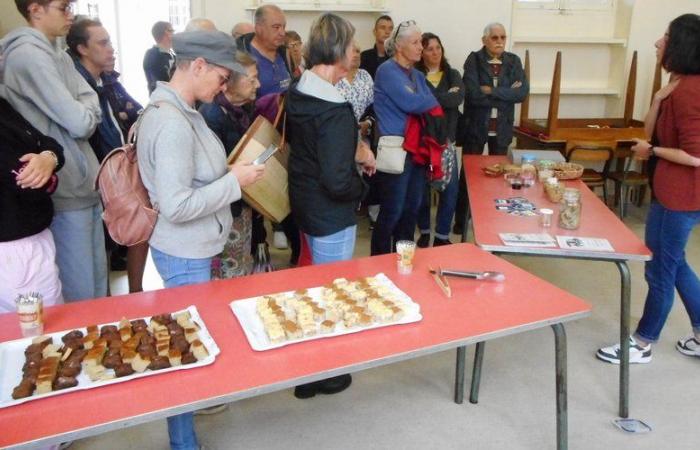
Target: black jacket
x,y
370,60
477,105
325,187
156,66
449,101
23,212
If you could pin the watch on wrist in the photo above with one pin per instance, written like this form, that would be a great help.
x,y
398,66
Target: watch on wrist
x,y
652,150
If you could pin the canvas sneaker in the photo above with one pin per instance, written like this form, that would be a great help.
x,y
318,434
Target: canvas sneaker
x,y
639,354
689,346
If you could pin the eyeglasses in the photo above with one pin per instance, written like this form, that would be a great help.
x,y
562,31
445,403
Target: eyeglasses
x,y
494,37
65,8
292,45
404,24
222,79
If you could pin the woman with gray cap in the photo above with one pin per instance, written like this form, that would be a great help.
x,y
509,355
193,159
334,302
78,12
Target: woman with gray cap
x,y
183,166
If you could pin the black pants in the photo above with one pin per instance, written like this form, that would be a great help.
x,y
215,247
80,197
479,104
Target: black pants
x,y
473,149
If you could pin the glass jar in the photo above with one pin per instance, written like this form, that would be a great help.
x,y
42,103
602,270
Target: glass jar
x,y
554,189
528,170
570,209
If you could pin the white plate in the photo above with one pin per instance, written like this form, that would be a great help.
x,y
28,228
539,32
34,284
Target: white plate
x,y
245,312
12,359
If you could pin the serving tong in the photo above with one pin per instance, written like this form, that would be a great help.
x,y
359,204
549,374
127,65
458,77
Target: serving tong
x,y
441,281
487,275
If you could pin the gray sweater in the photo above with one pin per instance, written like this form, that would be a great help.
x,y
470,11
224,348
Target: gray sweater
x,y
183,166
40,81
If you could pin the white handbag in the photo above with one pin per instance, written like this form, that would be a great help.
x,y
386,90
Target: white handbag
x,y
391,155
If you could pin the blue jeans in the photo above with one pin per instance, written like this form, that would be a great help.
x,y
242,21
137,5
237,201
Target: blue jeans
x,y
181,272
445,211
334,247
80,253
666,236
400,197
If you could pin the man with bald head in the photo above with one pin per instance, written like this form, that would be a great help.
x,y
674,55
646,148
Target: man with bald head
x,y
201,24
266,45
242,28
495,81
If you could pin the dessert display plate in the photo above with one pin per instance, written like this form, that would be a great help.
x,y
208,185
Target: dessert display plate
x,y
245,311
12,359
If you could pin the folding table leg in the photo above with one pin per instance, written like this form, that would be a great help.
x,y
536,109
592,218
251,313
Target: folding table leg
x,y
467,217
459,375
624,337
560,368
476,372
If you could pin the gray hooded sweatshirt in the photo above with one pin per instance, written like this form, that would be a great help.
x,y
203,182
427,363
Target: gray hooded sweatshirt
x,y
40,81
183,166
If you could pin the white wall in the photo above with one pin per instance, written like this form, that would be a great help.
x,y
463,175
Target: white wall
x,y
460,24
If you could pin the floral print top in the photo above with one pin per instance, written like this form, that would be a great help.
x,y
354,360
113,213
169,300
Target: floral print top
x,y
360,93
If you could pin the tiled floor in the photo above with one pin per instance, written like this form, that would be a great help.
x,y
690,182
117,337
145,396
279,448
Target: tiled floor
x,y
409,405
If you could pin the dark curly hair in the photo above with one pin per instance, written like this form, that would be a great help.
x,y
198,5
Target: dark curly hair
x,y
682,52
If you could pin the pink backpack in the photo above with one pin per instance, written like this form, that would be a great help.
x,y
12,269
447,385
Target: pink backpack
x,y
128,213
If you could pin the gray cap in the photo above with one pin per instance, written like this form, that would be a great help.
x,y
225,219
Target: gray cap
x,y
215,47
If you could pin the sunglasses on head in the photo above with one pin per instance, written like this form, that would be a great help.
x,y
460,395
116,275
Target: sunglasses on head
x,y
404,24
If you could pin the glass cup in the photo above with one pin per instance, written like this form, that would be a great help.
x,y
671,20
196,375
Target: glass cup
x,y
405,250
30,308
546,217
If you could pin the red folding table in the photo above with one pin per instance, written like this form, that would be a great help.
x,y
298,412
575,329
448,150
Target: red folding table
x,y
478,311
597,221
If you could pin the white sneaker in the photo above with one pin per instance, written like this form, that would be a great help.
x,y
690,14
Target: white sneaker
x,y
279,240
639,354
212,410
689,346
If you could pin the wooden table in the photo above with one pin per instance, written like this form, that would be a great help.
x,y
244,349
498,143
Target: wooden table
x,y
478,311
597,221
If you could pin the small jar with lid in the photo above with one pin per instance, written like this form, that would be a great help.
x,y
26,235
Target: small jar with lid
x,y
528,170
570,209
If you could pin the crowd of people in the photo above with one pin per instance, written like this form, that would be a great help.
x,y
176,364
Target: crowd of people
x,y
365,128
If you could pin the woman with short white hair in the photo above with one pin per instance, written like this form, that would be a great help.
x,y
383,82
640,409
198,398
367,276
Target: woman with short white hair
x,y
399,91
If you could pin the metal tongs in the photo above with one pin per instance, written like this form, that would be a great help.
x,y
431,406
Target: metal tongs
x,y
487,275
441,282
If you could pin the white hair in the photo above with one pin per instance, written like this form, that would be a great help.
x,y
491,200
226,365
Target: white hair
x,y
399,34
489,28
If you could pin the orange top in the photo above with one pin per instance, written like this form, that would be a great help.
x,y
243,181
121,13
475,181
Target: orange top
x,y
477,311
597,220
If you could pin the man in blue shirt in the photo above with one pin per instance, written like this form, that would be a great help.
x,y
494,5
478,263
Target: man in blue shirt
x,y
266,45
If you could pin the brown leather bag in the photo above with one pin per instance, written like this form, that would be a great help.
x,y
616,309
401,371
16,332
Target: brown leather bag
x,y
128,213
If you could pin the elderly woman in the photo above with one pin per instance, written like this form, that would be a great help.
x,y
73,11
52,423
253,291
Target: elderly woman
x,y
399,91
229,118
446,84
674,122
358,88
325,185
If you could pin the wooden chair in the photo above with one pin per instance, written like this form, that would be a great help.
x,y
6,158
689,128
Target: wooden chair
x,y
629,178
592,152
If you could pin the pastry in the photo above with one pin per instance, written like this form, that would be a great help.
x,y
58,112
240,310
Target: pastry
x,y
175,357
199,350
292,330
42,341
123,370
159,362
191,334
183,318
24,389
365,320
188,358
140,363
108,329
63,382
138,325
112,361
327,326
125,333
95,372
73,335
